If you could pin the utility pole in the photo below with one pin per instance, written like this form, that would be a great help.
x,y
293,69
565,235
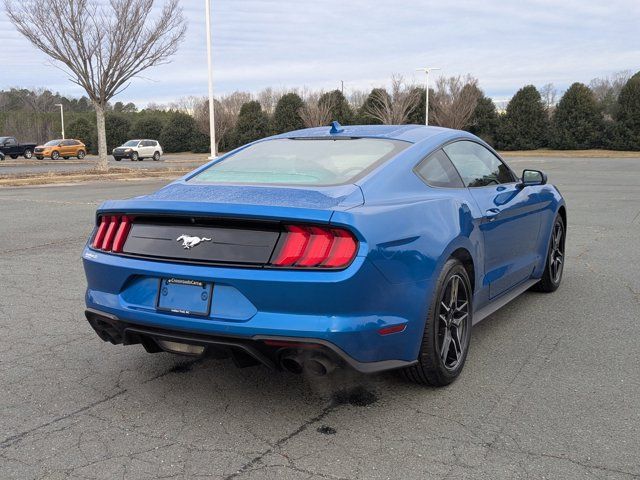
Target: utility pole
x,y
426,70
61,117
212,124
342,86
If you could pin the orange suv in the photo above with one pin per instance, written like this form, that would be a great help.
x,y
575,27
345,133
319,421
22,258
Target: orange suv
x,y
61,148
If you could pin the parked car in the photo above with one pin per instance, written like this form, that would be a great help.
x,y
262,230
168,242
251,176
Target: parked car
x,y
376,251
65,148
138,150
11,147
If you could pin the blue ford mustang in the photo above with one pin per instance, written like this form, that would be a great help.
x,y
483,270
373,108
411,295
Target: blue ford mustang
x,y
369,247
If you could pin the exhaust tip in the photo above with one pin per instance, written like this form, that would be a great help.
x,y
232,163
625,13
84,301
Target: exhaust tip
x,y
180,348
292,363
319,365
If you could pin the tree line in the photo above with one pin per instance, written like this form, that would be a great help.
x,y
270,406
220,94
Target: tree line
x,y
603,114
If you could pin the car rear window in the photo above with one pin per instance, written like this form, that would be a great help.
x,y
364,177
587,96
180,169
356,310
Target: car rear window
x,y
316,162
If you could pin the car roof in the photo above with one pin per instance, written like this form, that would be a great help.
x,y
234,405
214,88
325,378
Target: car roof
x,y
408,133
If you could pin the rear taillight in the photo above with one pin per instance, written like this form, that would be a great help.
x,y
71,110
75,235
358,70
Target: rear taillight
x,y
305,246
112,233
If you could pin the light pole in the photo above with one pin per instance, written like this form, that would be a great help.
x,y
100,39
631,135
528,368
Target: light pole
x,y
61,117
212,124
426,70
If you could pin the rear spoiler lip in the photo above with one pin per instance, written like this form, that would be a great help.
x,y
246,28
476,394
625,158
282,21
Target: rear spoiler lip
x,y
230,210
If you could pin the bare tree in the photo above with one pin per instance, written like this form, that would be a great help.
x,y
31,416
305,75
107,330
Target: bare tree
x,y
454,101
187,105
357,98
549,95
226,116
269,98
607,89
393,108
316,113
89,42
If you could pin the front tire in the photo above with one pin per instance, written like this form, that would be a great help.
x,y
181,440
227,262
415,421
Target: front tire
x,y
134,157
28,154
55,155
554,264
447,331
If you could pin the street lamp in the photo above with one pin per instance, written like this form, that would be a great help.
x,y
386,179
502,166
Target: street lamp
x,y
426,70
61,117
212,125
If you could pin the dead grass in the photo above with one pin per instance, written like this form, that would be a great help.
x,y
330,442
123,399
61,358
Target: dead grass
x,y
572,153
90,175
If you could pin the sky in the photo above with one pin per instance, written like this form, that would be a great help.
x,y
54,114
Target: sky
x,y
505,44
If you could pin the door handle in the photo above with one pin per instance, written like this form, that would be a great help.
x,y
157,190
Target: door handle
x,y
492,213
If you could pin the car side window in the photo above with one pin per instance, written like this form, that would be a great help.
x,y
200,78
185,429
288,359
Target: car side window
x,y
477,165
438,171
10,141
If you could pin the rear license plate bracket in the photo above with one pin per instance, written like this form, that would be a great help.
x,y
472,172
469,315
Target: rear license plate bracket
x,y
184,297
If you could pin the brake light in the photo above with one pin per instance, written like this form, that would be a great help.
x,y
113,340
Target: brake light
x,y
314,246
112,233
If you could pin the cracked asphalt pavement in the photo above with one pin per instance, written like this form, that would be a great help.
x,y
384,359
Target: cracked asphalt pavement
x,y
551,388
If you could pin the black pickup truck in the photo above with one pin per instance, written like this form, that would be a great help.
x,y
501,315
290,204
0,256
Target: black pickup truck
x,y
11,148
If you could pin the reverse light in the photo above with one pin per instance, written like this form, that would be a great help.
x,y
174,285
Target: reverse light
x,y
112,233
306,246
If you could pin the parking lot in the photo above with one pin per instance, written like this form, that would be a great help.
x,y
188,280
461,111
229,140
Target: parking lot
x,y
551,388
21,166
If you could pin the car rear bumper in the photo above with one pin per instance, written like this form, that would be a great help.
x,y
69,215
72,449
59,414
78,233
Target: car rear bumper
x,y
342,310
111,329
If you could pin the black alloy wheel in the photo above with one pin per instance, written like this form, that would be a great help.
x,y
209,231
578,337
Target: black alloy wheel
x,y
554,265
447,331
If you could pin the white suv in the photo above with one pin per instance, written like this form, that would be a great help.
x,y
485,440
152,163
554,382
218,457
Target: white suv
x,y
138,150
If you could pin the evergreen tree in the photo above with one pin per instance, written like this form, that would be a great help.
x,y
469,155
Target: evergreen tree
x,y
577,121
84,130
252,124
177,134
525,125
147,126
372,99
339,107
485,121
286,116
417,114
117,126
628,115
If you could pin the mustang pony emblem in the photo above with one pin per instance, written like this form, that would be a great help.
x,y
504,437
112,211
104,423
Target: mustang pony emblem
x,y
188,242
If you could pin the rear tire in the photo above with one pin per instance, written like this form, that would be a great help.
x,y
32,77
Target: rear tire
x,y
28,154
156,156
81,154
447,331
554,264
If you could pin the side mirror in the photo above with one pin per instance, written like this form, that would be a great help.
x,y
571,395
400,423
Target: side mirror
x,y
532,177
